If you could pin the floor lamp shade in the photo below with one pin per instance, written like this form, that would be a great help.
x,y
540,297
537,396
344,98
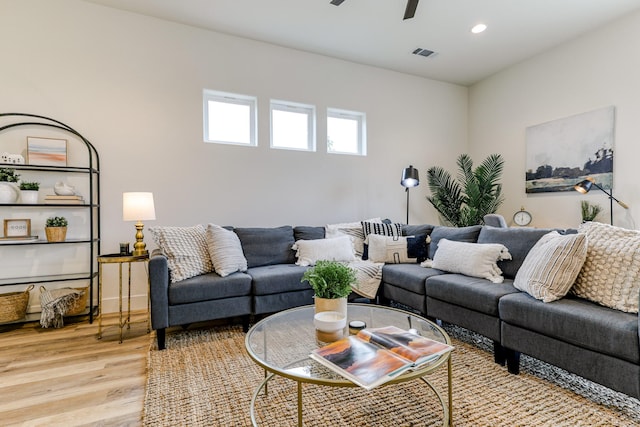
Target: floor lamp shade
x,y
586,185
138,206
410,178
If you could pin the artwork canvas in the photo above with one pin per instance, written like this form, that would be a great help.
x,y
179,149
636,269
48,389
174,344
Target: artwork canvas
x,y
561,153
46,151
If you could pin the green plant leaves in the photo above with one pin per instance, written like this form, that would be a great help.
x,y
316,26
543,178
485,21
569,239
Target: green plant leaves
x,y
476,192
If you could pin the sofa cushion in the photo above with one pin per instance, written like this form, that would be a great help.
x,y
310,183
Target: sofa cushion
x,y
186,250
576,321
470,292
611,273
519,241
410,277
551,267
225,250
415,230
267,246
458,234
209,286
275,279
305,232
471,259
308,252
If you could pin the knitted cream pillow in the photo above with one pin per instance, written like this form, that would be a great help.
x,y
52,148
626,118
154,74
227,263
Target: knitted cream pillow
x,y
551,266
610,275
186,250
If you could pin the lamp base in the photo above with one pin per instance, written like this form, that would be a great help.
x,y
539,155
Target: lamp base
x,y
140,253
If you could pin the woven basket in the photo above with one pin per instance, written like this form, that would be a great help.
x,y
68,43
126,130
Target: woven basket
x,y
13,306
79,305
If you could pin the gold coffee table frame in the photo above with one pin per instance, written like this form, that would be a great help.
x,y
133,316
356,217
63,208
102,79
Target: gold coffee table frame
x,y
282,342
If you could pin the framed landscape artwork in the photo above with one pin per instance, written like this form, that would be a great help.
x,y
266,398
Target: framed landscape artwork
x,y
46,151
562,152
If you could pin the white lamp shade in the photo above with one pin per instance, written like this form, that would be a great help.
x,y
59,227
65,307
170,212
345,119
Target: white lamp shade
x,y
138,206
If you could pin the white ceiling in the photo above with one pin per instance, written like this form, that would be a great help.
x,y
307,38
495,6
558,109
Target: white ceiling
x,y
373,32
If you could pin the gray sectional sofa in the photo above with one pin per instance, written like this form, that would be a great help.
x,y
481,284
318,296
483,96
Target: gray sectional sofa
x,y
596,342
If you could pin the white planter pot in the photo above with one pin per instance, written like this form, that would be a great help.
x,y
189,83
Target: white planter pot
x,y
8,192
29,197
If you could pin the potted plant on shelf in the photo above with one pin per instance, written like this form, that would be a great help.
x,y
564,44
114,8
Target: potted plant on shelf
x,y
589,211
8,189
29,192
56,228
331,283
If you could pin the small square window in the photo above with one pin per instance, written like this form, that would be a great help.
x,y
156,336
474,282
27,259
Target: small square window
x,y
229,118
346,132
292,126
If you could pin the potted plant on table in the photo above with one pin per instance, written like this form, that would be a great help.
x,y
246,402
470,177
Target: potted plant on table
x,y
331,283
56,228
8,189
29,192
589,211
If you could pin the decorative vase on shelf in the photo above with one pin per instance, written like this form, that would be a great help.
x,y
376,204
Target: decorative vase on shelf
x,y
8,192
56,234
29,197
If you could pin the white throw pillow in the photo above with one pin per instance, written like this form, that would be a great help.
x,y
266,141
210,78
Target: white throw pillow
x,y
186,250
309,252
225,250
353,229
610,275
471,259
388,249
551,266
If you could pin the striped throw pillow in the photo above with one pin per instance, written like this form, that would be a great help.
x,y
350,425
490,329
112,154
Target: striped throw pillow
x,y
552,265
225,250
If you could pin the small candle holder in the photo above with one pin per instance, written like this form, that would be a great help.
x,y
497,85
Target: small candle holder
x,y
124,249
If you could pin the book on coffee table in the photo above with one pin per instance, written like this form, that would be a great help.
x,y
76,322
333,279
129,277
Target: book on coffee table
x,y
374,356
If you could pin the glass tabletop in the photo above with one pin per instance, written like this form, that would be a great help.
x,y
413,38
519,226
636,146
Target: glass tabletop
x,y
282,342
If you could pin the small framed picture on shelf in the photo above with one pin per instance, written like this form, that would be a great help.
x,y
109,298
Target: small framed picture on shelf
x,y
46,151
17,228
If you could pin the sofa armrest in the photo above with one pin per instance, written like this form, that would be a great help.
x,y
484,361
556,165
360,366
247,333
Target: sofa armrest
x,y
159,289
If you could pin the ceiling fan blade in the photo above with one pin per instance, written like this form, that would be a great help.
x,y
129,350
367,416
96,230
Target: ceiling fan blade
x,y
336,2
410,11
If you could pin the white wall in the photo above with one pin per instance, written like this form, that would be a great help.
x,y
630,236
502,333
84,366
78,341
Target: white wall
x,y
591,72
133,86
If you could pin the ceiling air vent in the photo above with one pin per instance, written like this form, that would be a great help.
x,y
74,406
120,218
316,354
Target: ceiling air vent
x,y
423,52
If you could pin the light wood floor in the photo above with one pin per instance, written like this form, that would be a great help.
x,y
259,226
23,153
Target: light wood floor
x,y
67,377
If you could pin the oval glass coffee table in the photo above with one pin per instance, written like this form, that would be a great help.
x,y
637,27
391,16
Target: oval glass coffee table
x,y
282,342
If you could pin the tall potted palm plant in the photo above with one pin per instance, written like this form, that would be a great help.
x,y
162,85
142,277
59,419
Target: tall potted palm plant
x,y
476,192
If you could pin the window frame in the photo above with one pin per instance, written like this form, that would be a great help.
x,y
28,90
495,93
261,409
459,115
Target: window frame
x,y
360,118
294,107
235,99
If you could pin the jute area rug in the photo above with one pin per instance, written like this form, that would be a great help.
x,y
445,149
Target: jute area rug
x,y
206,378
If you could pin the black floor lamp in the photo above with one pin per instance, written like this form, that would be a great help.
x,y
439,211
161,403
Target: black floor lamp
x,y
584,187
409,179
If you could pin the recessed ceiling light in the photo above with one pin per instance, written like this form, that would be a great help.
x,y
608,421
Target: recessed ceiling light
x,y
478,28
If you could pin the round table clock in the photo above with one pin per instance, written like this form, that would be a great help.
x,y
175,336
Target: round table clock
x,y
522,217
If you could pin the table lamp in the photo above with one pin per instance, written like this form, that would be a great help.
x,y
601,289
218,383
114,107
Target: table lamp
x,y
138,206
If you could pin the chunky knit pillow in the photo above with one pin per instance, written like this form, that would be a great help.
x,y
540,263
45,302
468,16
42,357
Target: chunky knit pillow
x,y
186,250
610,275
